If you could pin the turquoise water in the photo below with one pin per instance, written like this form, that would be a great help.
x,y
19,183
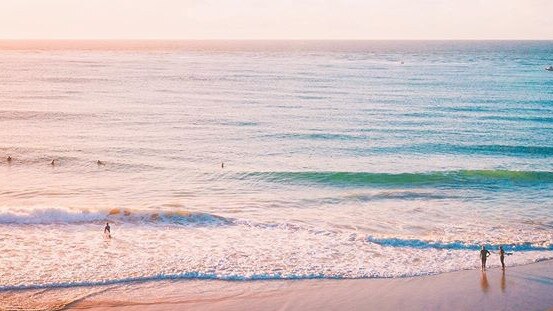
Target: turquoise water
x,y
341,159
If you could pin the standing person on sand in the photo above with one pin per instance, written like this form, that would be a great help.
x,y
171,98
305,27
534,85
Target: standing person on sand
x,y
484,254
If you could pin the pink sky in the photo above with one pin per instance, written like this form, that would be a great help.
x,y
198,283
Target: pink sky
x,y
282,19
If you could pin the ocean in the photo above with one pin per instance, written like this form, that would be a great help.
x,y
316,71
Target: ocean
x,y
248,160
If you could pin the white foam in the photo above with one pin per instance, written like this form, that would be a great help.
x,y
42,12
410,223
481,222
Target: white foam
x,y
49,216
56,215
242,252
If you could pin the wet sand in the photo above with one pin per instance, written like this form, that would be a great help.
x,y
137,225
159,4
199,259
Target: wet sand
x,y
527,287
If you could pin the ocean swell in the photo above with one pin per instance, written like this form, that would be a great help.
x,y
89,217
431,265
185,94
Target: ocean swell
x,y
456,178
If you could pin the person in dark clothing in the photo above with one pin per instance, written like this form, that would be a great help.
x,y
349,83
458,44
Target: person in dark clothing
x,y
502,256
107,230
484,254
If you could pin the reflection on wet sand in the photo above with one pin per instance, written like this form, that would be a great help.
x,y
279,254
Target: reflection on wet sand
x,y
503,281
485,285
484,282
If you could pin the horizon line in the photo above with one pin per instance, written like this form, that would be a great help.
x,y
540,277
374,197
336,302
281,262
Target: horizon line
x,y
270,39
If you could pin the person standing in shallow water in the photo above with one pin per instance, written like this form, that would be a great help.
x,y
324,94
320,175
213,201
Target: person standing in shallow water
x,y
502,256
107,230
484,254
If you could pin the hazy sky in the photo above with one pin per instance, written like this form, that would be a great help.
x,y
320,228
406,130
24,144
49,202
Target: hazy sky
x,y
276,19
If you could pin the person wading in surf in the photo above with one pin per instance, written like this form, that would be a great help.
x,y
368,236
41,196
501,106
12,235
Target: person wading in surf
x,y
107,230
502,257
484,254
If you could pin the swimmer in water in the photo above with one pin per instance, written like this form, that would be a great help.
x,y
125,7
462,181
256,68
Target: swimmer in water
x,y
9,159
484,254
100,162
107,230
53,162
222,164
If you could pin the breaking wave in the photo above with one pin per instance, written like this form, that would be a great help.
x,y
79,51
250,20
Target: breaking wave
x,y
69,216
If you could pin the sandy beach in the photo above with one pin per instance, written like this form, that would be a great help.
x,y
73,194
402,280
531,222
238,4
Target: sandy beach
x,y
526,287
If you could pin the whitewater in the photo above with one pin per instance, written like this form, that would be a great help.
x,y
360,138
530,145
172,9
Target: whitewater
x,y
341,160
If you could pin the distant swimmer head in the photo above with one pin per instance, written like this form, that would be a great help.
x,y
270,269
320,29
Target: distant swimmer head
x,y
9,158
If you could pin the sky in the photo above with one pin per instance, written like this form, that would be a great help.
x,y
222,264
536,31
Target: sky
x,y
276,19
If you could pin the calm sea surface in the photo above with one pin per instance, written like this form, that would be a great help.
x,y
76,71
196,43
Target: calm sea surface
x,y
341,159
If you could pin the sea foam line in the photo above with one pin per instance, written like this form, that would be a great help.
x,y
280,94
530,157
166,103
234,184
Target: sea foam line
x,y
457,245
215,277
180,276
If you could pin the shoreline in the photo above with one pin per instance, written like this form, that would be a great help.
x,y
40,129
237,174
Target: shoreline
x,y
526,287
193,276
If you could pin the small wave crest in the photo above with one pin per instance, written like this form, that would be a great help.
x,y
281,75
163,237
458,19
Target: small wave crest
x,y
456,245
193,275
460,178
69,216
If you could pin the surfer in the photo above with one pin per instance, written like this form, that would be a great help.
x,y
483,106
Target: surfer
x,y
53,162
9,159
100,163
222,164
107,230
484,254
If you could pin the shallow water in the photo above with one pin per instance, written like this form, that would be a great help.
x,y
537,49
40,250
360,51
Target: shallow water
x,y
339,160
